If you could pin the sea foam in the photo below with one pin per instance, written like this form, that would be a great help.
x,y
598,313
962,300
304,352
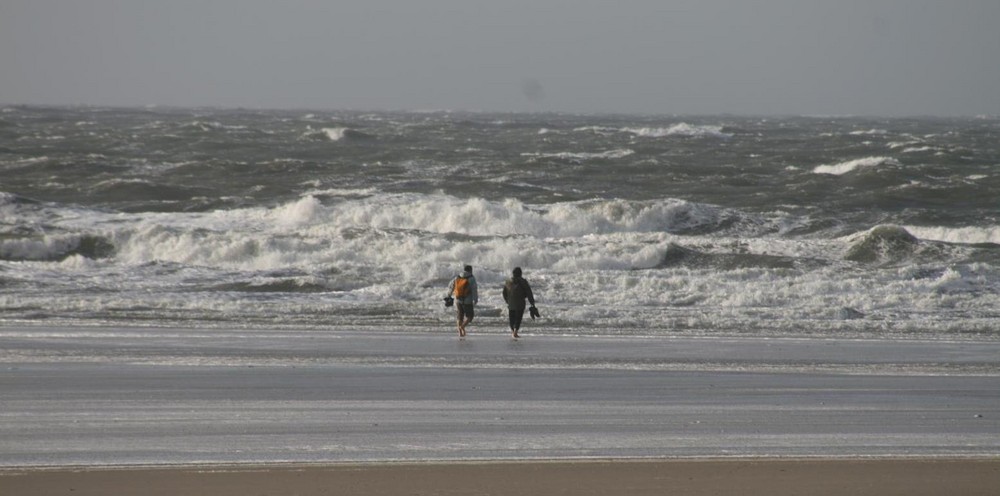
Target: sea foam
x,y
842,168
961,235
610,154
681,129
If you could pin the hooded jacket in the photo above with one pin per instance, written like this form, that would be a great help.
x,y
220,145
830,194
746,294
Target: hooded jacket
x,y
515,291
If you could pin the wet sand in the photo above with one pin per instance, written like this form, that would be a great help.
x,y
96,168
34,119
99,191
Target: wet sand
x,y
772,477
102,397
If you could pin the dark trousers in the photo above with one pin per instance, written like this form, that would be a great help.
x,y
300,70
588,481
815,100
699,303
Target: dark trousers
x,y
516,314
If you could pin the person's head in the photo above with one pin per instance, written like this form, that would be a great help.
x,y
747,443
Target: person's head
x,y
468,268
517,272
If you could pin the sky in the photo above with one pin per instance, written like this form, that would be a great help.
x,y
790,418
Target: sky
x,y
759,57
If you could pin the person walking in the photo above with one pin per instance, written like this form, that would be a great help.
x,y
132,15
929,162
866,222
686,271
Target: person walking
x,y
515,291
466,293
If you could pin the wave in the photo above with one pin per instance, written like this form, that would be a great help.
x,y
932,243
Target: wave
x,y
475,216
24,162
52,248
842,168
289,285
14,199
660,259
359,233
207,126
680,256
610,154
682,129
337,134
883,244
919,149
958,235
142,190
597,129
869,132
890,244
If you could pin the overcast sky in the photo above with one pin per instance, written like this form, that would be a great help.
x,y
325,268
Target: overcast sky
x,y
886,57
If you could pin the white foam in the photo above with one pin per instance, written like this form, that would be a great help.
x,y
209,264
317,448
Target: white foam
x,y
334,133
374,231
681,129
109,183
596,129
610,154
963,235
42,248
27,161
7,198
345,192
852,165
592,263
918,149
299,212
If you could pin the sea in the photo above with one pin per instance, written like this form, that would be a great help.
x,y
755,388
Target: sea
x,y
624,225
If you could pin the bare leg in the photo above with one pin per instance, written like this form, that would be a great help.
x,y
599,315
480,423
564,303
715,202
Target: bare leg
x,y
461,316
515,315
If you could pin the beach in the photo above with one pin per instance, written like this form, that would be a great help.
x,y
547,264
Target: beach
x,y
235,411
881,477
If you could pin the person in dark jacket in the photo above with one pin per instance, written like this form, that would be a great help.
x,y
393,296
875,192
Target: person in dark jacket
x,y
515,291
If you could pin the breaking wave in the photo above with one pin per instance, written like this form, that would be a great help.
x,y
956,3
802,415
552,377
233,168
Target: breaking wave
x,y
960,235
337,134
682,129
610,154
842,168
55,247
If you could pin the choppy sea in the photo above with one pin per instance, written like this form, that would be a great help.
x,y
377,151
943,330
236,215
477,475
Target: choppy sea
x,y
624,225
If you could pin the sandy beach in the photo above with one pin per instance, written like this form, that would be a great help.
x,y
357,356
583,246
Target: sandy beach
x,y
189,411
772,477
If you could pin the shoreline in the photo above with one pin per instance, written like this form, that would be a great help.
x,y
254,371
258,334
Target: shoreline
x,y
770,476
